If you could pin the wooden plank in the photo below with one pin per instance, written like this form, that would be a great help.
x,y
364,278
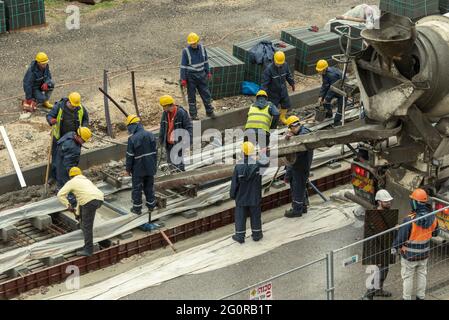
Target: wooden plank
x,y
12,156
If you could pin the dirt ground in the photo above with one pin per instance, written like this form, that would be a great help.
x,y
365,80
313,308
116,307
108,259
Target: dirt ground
x,y
142,35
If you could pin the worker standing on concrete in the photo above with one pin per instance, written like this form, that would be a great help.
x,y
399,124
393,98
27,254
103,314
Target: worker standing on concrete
x,y
89,199
67,115
330,75
274,78
141,164
246,190
38,83
68,152
297,173
379,253
194,75
262,116
413,242
176,131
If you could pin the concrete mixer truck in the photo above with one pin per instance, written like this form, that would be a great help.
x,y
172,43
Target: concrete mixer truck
x,y
403,78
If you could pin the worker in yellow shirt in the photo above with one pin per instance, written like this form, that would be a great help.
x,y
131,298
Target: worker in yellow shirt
x,y
89,199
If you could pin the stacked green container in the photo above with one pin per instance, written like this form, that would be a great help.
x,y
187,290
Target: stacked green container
x,y
253,72
311,47
414,9
227,73
24,13
444,6
2,17
356,45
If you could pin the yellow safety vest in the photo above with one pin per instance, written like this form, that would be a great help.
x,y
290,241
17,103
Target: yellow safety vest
x,y
259,118
57,126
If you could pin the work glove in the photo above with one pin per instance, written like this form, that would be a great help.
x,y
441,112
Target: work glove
x,y
184,83
29,101
314,29
53,121
394,251
209,76
293,87
44,87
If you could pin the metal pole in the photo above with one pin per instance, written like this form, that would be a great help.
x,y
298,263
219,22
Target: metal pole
x,y
106,105
133,84
328,285
331,276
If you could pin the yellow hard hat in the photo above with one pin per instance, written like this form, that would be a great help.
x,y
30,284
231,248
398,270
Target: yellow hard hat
x,y
41,57
75,99
279,57
321,65
193,38
247,148
132,118
166,100
291,120
261,93
84,133
74,171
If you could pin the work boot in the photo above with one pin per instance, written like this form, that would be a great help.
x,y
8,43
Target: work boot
x,y
194,118
136,211
83,253
304,209
382,293
369,295
47,104
329,114
238,239
291,214
417,298
257,238
211,115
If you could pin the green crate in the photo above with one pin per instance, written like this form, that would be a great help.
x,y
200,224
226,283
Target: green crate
x,y
227,73
414,9
24,13
311,47
444,6
356,45
2,17
253,72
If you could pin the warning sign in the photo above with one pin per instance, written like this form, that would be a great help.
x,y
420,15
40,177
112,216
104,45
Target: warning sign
x,y
262,292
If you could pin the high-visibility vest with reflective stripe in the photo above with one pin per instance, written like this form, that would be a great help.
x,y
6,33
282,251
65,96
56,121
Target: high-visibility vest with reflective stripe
x,y
259,118
198,67
57,126
417,246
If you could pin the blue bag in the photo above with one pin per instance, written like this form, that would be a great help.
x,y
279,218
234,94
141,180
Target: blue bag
x,y
250,88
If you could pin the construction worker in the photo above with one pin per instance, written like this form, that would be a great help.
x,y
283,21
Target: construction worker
x,y
38,83
141,164
175,130
413,242
68,152
67,115
273,82
379,252
194,75
89,199
262,116
329,76
246,190
298,172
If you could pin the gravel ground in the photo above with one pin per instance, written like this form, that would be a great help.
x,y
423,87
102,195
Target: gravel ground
x,y
145,35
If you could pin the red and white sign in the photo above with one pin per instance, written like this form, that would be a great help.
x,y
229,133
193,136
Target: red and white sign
x,y
262,292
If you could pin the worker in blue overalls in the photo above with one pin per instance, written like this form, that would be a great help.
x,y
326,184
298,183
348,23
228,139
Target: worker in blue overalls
x,y
194,75
246,190
297,173
330,75
141,164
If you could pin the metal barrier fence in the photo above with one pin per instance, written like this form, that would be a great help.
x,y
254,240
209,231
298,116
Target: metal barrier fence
x,y
365,269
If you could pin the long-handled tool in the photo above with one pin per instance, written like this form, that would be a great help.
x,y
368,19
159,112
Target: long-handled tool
x,y
318,191
183,94
272,180
168,240
114,102
47,173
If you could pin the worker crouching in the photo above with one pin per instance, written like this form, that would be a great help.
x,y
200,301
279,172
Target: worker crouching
x,y
141,164
37,83
89,199
246,190
297,173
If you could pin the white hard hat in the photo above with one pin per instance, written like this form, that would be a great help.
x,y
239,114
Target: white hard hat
x,y
383,195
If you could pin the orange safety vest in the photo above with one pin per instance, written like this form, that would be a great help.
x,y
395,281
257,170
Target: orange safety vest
x,y
417,246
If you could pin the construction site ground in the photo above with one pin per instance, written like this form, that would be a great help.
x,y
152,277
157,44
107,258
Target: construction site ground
x,y
123,35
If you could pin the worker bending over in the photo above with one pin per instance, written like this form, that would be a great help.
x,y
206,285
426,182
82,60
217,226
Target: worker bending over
x,y
413,242
194,75
246,190
297,173
175,132
38,83
141,164
274,78
67,115
329,75
262,116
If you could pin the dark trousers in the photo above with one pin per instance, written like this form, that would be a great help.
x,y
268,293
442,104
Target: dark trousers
x,y
87,213
174,158
198,81
42,96
298,189
282,100
145,184
62,176
257,136
328,106
255,218
53,158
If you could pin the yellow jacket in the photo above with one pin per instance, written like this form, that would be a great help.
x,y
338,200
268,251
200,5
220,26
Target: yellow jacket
x,y
83,189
